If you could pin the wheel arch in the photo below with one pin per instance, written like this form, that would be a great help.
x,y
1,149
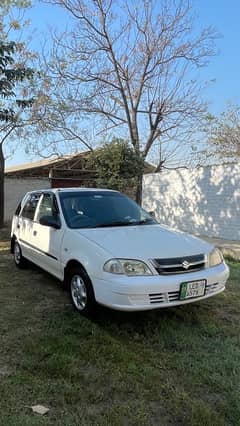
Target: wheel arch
x,y
73,263
13,239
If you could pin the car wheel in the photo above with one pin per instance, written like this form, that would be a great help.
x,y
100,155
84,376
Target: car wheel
x,y
81,291
19,260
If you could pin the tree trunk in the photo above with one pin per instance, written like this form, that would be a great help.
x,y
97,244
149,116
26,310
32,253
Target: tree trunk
x,y
1,186
139,176
139,188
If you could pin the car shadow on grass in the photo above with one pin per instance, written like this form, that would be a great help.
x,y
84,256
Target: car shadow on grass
x,y
147,323
53,297
106,317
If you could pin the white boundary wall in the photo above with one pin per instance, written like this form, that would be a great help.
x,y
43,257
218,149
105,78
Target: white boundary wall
x,y
15,189
203,201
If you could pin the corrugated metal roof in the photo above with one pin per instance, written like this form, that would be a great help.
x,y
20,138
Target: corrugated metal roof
x,y
42,167
42,163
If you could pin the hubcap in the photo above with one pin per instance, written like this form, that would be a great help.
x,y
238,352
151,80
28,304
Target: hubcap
x,y
17,253
79,292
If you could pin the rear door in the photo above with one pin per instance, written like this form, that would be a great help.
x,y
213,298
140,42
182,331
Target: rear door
x,y
24,225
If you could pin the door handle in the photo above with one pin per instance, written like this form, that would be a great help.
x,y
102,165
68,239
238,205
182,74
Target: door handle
x,y
34,233
18,226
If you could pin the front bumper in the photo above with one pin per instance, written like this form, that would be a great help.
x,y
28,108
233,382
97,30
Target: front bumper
x,y
157,291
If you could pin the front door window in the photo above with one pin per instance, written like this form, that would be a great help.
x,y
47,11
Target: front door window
x,y
48,207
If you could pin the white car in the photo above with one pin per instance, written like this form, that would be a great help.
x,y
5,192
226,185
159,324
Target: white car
x,y
107,249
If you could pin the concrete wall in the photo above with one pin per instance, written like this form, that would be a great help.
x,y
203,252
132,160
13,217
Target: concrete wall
x,y
204,201
16,188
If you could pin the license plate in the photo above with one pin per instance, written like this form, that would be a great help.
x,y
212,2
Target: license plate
x,y
192,289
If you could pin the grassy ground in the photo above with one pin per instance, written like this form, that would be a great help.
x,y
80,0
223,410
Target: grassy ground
x,y
168,367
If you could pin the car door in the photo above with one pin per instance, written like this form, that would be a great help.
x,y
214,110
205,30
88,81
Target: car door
x,y
47,240
24,225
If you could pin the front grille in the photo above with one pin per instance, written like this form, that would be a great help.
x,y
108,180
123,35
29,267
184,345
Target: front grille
x,y
170,296
179,265
212,288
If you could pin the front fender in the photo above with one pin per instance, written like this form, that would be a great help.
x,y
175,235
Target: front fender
x,y
84,251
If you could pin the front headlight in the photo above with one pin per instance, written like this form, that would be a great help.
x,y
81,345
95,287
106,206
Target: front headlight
x,y
128,267
215,257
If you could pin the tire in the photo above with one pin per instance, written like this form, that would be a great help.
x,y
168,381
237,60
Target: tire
x,y
81,291
19,260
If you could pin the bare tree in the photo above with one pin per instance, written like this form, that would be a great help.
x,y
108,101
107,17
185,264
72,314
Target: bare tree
x,y
54,120
132,68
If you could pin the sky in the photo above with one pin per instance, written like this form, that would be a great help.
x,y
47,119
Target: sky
x,y
224,15
223,69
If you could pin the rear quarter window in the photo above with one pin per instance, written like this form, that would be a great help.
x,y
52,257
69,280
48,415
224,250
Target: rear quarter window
x,y
18,209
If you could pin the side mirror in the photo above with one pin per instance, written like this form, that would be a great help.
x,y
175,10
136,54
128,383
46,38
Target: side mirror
x,y
51,221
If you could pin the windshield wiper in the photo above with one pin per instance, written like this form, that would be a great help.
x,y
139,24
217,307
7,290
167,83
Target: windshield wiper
x,y
122,223
144,221
117,223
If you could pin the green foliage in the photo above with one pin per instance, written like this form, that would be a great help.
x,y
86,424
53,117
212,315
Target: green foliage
x,y
117,164
10,75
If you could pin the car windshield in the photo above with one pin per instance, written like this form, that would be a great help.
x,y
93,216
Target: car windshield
x,y
100,209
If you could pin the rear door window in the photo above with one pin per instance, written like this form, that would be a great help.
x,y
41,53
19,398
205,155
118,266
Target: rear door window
x,y
30,205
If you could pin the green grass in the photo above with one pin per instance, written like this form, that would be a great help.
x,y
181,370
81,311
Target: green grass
x,y
178,366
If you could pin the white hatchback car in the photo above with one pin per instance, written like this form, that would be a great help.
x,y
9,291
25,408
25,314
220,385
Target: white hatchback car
x,y
109,250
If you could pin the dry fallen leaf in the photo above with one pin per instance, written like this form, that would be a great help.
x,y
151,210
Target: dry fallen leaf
x,y
39,409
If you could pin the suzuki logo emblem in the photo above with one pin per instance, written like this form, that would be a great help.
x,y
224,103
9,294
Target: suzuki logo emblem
x,y
185,264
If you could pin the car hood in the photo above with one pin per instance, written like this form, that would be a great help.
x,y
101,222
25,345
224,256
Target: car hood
x,y
145,241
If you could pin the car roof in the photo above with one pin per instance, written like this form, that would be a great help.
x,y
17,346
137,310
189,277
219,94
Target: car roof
x,y
56,190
